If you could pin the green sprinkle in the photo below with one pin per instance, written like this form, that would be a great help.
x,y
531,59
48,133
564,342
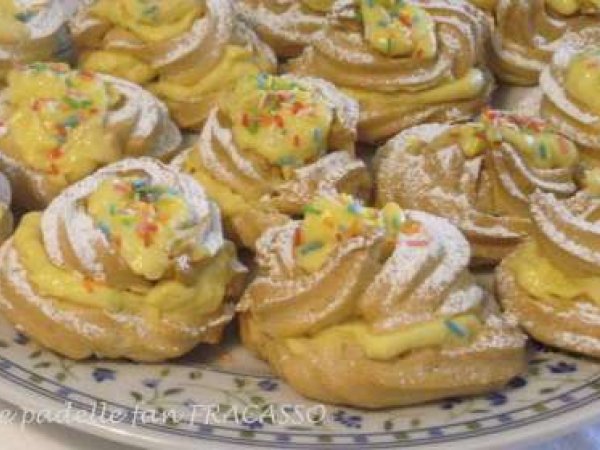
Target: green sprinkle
x,y
71,122
543,150
397,221
287,160
24,16
77,104
456,329
311,247
311,209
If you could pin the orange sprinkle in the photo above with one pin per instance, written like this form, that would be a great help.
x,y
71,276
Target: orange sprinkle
x,y
89,285
297,237
278,121
296,140
245,120
297,107
53,170
411,227
56,153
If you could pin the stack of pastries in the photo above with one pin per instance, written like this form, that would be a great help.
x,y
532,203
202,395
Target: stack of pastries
x,y
186,134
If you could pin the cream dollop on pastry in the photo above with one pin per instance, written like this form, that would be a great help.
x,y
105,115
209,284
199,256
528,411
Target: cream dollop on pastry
x,y
405,62
59,125
479,175
30,30
271,146
128,263
188,52
528,32
375,308
550,285
571,87
287,26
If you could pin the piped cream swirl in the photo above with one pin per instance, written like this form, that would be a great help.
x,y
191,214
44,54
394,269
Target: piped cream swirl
x,y
480,178
129,262
439,76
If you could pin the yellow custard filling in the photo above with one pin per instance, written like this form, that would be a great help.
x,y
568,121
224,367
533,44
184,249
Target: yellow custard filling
x,y
149,225
6,222
398,28
204,295
582,79
12,22
543,280
192,84
150,20
282,121
541,146
570,7
56,121
120,64
328,221
319,5
386,346
488,5
467,87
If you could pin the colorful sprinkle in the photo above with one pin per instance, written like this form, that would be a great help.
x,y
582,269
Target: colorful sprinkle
x,y
456,328
311,247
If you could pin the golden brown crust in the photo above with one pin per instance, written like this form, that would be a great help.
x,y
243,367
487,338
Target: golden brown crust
x,y
526,34
284,312
136,329
574,327
342,55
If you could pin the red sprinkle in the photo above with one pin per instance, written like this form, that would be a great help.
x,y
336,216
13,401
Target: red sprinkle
x,y
245,120
278,121
57,153
419,243
297,107
297,237
88,284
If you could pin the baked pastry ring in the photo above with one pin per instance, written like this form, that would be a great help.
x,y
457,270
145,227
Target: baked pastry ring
x,y
570,87
127,263
375,308
60,125
287,26
478,175
551,283
425,65
188,52
272,145
6,217
30,30
528,32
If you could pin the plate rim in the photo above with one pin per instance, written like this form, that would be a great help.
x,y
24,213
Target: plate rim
x,y
26,394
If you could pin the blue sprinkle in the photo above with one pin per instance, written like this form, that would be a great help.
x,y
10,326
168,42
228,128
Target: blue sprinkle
x,y
355,208
262,80
456,329
138,184
105,229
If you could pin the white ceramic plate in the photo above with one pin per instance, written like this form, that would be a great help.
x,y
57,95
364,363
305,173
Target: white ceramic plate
x,y
558,393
